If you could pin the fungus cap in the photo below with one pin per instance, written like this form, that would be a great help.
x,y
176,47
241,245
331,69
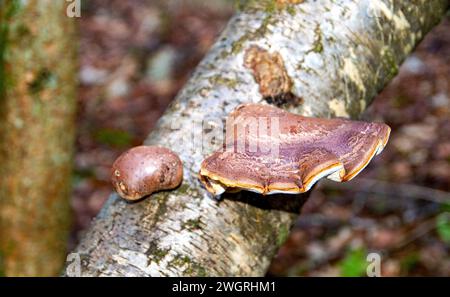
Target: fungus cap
x,y
268,150
143,170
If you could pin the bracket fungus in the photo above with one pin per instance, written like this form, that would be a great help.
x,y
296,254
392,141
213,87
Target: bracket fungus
x,y
143,170
268,150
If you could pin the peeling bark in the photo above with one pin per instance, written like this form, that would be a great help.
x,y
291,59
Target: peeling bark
x,y
37,109
270,74
337,54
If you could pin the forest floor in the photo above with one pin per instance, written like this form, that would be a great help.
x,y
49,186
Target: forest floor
x,y
136,55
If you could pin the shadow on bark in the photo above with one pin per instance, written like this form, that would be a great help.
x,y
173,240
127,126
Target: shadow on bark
x,y
281,202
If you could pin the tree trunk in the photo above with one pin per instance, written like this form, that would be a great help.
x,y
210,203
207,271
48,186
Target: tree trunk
x,y
316,58
37,109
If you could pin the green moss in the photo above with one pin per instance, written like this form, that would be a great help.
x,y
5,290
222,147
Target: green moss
x,y
220,80
318,45
192,268
269,6
246,5
156,254
183,188
180,260
186,190
261,225
237,46
272,9
160,254
195,270
390,64
282,235
192,224
291,10
253,35
265,23
162,207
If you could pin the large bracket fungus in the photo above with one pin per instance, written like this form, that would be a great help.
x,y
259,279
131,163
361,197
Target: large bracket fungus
x,y
268,150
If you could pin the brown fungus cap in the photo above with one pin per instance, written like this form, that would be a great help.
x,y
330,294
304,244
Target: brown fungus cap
x,y
143,170
268,150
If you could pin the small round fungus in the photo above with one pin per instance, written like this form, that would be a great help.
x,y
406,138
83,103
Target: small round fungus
x,y
143,170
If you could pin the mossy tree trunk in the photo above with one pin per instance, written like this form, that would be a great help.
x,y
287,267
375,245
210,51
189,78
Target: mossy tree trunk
x,y
37,108
317,58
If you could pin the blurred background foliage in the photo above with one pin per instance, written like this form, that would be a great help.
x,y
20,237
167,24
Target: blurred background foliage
x,y
135,56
